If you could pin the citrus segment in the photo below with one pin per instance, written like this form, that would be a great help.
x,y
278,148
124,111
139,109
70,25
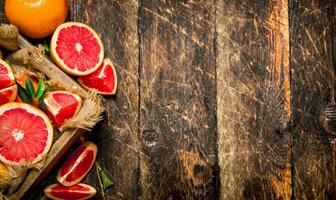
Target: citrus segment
x,y
26,134
78,164
62,105
77,192
77,48
8,94
6,75
103,80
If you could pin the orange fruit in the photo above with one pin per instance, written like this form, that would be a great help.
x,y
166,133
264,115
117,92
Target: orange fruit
x,y
76,48
36,18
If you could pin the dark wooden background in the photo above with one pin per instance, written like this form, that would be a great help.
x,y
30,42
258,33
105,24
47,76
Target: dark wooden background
x,y
217,99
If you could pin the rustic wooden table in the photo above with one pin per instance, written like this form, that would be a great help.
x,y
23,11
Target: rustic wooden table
x,y
216,99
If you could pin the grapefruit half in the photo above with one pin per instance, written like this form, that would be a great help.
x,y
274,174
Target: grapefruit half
x,y
62,105
26,134
103,80
77,192
76,48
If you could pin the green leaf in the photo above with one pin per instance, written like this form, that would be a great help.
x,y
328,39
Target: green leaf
x,y
23,94
40,90
46,46
30,88
106,180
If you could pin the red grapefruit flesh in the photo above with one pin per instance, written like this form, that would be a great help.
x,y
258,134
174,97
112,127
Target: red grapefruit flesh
x,y
26,134
8,89
77,48
76,192
8,94
62,105
78,164
6,75
103,81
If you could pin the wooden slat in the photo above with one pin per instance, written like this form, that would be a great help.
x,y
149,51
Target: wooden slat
x,y
117,135
254,104
178,100
313,153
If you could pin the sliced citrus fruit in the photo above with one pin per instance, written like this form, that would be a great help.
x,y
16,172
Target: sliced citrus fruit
x,y
78,164
6,75
26,134
8,94
103,80
76,48
62,105
8,89
76,192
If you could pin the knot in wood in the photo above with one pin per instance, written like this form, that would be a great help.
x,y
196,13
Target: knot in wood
x,y
150,138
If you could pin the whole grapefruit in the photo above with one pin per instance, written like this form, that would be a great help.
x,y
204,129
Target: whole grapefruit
x,y
36,18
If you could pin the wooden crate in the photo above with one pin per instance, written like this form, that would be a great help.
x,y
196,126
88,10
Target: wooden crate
x,y
66,139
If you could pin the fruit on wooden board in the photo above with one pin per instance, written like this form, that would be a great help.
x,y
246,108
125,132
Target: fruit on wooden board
x,y
80,191
26,134
78,164
76,48
8,89
103,80
62,105
36,18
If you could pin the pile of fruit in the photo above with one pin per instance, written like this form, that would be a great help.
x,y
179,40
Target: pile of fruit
x,y
72,173
31,105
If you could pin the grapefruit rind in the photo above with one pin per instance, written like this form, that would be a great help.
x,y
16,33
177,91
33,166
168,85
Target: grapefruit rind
x,y
89,146
35,111
108,62
51,103
61,63
90,192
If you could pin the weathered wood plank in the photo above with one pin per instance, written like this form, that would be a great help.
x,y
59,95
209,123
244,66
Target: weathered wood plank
x,y
313,153
254,104
117,135
177,100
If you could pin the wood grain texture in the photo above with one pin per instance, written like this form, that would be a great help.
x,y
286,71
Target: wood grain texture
x,y
253,94
117,135
177,100
314,164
